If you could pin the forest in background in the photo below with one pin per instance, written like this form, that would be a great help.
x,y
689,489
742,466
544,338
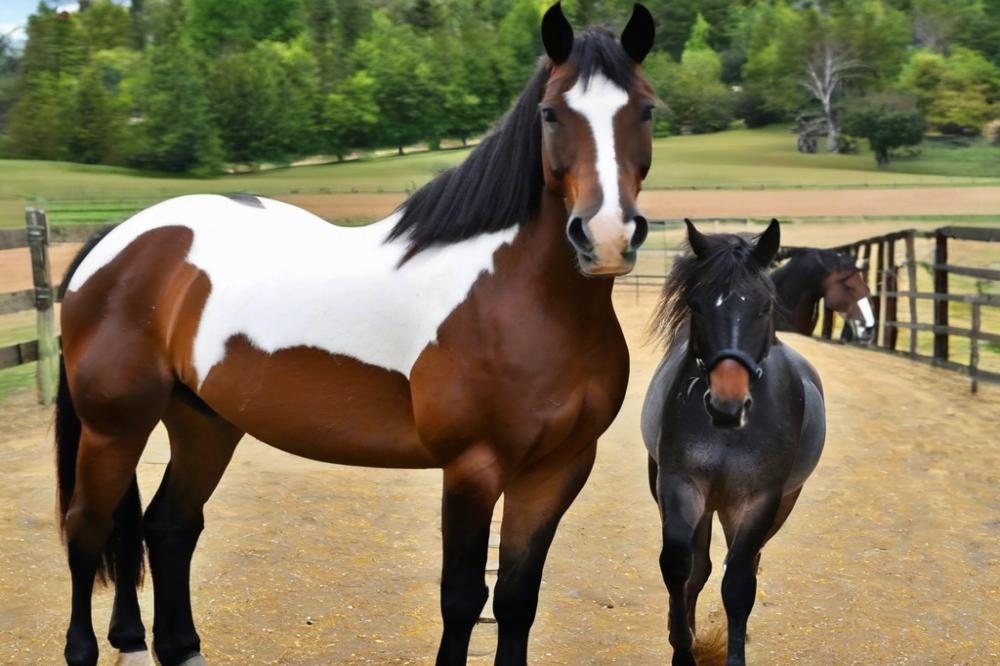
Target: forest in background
x,y
196,86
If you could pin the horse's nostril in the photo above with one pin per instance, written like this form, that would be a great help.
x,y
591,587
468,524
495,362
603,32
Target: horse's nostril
x,y
747,404
641,231
578,236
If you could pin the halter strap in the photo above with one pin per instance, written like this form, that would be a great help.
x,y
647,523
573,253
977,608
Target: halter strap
x,y
744,359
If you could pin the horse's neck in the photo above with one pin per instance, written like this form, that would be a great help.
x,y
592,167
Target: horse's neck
x,y
799,290
541,264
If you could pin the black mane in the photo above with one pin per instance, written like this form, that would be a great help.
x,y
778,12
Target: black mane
x,y
500,183
729,260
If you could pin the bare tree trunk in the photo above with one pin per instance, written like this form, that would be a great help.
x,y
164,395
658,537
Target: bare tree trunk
x,y
827,67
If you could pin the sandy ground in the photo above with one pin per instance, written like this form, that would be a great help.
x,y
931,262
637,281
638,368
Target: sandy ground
x,y
891,557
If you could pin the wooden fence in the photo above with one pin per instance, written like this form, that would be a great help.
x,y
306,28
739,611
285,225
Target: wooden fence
x,y
883,278
37,235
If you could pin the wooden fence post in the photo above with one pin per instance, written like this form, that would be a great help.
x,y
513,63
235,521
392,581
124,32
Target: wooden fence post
x,y
974,347
911,279
37,228
891,287
880,284
940,288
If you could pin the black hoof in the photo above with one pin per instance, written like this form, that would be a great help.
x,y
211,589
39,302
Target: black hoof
x,y
81,652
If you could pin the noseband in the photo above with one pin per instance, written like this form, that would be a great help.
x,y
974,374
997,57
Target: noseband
x,y
741,357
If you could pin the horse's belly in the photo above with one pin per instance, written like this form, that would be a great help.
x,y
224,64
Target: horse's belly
x,y
318,405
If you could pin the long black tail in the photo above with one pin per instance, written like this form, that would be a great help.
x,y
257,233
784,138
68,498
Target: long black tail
x,y
123,554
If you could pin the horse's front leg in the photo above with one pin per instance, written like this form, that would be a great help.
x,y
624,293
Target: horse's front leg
x,y
472,486
533,504
682,506
749,526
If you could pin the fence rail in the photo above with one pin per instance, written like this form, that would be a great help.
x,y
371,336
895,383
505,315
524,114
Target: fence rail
x,y
883,276
885,282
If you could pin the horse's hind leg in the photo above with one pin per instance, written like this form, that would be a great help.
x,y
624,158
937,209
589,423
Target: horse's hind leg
x,y
115,418
201,446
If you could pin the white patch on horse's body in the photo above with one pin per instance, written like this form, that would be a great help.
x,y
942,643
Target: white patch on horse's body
x,y
284,277
598,102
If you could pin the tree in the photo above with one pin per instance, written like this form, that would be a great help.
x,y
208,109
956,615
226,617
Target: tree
x,y
351,116
957,93
827,68
246,107
175,130
40,124
410,105
219,25
105,26
887,120
697,100
94,135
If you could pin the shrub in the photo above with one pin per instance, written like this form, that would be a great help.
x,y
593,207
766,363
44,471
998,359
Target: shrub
x,y
887,120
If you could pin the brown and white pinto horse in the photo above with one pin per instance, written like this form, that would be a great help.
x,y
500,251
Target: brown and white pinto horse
x,y
472,330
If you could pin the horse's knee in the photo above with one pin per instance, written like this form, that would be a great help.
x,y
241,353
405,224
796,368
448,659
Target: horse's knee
x,y
675,558
462,603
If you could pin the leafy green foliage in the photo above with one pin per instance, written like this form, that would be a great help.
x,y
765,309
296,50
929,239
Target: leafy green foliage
x,y
271,81
958,93
887,120
173,136
696,99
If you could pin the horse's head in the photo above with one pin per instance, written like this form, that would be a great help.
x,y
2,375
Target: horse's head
x,y
596,115
846,292
725,289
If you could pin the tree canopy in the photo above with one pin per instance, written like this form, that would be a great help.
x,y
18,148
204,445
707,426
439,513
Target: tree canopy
x,y
195,85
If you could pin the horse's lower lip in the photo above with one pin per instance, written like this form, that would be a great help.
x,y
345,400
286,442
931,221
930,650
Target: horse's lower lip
x,y
590,266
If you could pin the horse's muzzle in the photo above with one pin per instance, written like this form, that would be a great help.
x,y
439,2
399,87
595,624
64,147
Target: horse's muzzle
x,y
728,413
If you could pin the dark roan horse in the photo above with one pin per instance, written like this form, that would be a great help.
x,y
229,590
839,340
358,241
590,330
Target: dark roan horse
x,y
472,331
734,423
811,275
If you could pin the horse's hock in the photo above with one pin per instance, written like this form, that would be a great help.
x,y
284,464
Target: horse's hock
x,y
891,553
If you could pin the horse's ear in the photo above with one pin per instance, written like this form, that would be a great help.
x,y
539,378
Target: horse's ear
x,y
557,34
637,37
696,239
767,244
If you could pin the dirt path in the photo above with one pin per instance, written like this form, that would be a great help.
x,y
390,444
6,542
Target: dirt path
x,y
657,204
891,556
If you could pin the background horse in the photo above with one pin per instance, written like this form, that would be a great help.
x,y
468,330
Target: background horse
x,y
810,275
734,423
472,330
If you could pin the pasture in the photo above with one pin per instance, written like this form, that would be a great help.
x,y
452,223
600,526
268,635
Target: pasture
x,y
890,557
726,160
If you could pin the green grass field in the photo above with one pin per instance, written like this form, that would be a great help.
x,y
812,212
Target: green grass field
x,y
733,159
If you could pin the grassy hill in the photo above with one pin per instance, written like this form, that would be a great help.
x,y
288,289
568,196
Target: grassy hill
x,y
734,159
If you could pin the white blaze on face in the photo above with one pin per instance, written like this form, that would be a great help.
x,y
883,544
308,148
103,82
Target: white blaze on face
x,y
598,102
866,311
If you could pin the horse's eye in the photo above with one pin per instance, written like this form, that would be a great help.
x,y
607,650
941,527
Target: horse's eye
x,y
647,113
549,116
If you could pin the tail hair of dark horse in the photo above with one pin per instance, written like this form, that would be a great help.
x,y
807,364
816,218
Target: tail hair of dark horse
x,y
710,646
125,541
